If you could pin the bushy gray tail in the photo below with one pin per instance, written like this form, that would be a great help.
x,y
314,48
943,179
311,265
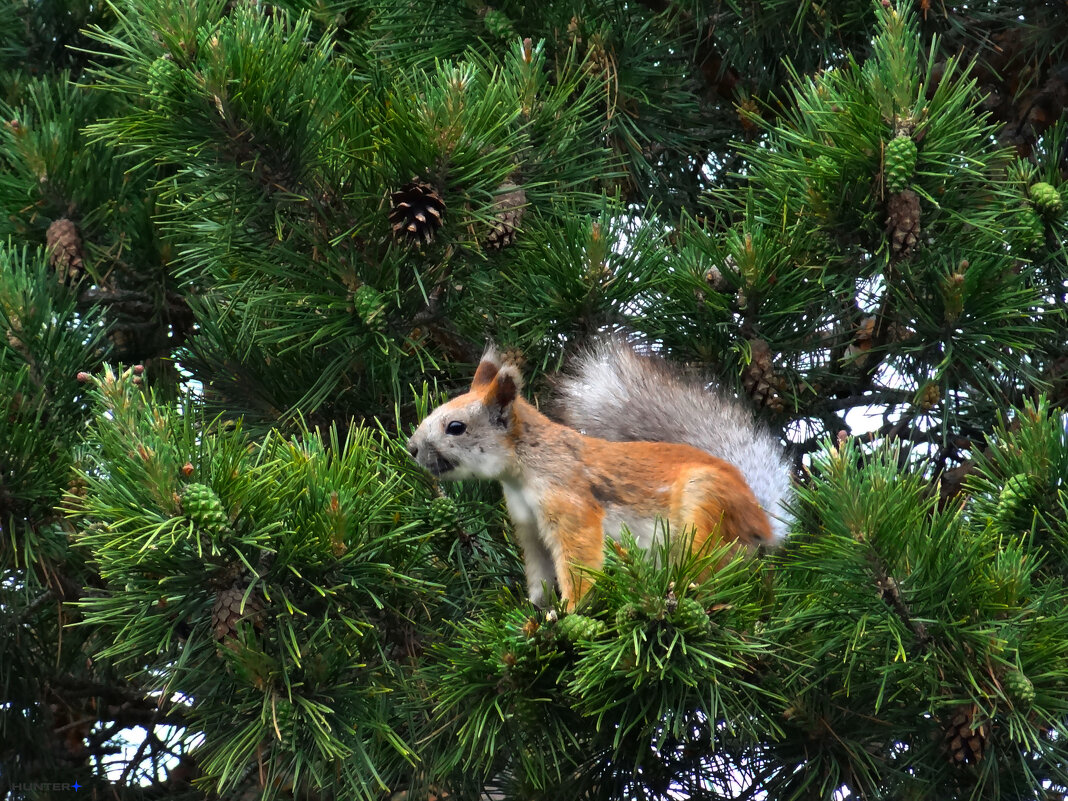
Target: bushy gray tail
x,y
613,393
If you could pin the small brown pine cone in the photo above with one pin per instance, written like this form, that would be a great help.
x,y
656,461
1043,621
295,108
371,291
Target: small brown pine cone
x,y
599,62
416,212
227,612
965,737
903,222
510,206
65,247
749,115
514,356
929,397
759,377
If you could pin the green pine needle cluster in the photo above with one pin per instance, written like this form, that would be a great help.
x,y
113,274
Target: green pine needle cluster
x,y
319,541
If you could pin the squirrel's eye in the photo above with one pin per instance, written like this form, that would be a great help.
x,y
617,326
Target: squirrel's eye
x,y
455,427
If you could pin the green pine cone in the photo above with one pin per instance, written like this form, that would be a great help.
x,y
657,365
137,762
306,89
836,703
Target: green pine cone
x,y
370,306
655,608
1033,235
566,627
203,507
826,166
628,618
498,24
899,163
579,627
163,77
442,512
1019,686
690,616
1016,488
1047,200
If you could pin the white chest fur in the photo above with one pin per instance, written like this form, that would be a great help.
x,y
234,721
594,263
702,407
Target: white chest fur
x,y
522,504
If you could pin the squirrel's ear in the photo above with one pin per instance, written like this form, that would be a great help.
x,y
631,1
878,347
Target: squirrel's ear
x,y
503,388
487,368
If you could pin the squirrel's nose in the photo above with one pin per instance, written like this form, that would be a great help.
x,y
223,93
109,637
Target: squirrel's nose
x,y
413,449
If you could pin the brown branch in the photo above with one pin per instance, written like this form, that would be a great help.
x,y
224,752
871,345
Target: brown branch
x,y
441,330
122,702
134,302
34,606
135,760
891,595
1025,89
878,397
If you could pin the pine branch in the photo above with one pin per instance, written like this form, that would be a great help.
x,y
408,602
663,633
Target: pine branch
x,y
442,331
26,614
123,703
876,396
891,595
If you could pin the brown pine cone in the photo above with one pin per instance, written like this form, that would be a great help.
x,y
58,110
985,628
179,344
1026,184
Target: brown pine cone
x,y
965,737
227,612
759,377
417,211
903,222
65,247
510,206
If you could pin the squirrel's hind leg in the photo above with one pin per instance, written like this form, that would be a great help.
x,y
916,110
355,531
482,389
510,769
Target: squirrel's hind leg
x,y
721,508
575,536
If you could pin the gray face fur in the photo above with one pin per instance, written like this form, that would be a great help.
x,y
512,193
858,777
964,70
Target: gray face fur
x,y
468,437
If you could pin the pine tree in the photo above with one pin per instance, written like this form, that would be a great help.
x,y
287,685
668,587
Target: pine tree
x,y
245,247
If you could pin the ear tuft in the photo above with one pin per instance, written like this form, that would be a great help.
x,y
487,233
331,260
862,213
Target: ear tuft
x,y
504,388
510,373
488,366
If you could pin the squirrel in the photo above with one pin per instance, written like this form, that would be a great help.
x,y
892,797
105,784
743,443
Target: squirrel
x,y
639,445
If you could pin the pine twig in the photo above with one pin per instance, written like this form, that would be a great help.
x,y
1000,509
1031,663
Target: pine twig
x,y
35,605
891,595
442,331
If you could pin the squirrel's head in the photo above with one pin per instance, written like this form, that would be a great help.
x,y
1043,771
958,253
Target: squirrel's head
x,y
471,436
